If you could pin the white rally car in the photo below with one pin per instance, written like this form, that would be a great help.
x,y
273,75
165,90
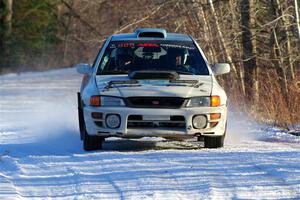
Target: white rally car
x,y
151,83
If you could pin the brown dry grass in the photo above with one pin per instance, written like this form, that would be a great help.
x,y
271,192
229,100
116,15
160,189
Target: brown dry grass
x,y
273,107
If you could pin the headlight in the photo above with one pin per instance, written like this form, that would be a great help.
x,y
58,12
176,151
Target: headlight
x,y
111,101
213,101
199,102
106,101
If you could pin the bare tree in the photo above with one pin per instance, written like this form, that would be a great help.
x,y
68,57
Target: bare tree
x,y
249,50
277,54
297,20
201,19
237,45
284,30
223,44
5,28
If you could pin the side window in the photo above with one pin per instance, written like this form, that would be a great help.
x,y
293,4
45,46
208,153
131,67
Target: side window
x,y
104,62
95,60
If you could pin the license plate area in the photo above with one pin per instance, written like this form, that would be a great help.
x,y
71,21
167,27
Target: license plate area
x,y
156,117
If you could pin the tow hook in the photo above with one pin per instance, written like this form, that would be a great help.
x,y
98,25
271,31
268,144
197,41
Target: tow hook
x,y
198,135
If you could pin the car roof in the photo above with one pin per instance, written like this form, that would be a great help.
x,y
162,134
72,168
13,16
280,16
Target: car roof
x,y
162,33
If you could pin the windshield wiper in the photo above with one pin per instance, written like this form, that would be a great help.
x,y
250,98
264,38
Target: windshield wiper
x,y
193,83
126,72
121,83
184,81
113,72
182,72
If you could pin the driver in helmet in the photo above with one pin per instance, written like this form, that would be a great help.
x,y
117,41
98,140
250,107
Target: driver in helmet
x,y
124,58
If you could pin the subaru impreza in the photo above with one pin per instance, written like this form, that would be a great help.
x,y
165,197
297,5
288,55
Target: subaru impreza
x,y
151,83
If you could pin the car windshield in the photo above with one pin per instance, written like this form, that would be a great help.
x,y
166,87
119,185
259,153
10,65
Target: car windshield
x,y
122,57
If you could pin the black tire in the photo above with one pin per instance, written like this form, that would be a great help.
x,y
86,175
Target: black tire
x,y
80,117
200,138
92,142
214,142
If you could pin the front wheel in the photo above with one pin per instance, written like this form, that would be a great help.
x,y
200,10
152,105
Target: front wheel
x,y
92,142
214,142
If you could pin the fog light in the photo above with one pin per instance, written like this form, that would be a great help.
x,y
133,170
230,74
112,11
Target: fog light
x,y
199,121
215,116
96,115
113,121
213,124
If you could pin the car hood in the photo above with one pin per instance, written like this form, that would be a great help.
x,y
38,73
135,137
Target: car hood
x,y
157,88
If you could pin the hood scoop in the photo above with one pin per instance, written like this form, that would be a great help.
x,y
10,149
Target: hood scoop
x,y
154,75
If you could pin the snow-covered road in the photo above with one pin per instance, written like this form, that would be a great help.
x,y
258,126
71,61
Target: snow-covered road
x,y
41,155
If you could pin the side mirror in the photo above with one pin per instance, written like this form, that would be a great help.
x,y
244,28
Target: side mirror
x,y
83,68
221,68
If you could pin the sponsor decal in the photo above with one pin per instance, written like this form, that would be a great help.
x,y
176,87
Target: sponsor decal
x,y
125,45
177,46
131,44
147,45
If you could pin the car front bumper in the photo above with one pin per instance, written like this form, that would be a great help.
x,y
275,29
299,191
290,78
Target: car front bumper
x,y
98,126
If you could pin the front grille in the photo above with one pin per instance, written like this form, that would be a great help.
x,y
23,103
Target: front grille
x,y
155,102
175,122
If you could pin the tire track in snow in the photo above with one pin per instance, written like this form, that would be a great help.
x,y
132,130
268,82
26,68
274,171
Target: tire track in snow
x,y
167,173
79,190
58,168
272,174
8,188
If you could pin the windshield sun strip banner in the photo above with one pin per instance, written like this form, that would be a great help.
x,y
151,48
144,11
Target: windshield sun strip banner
x,y
147,44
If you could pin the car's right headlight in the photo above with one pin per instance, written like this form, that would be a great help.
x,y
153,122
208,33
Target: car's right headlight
x,y
199,102
106,101
212,101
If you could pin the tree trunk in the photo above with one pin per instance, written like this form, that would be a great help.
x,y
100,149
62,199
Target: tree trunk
x,y
201,18
249,51
5,29
2,28
277,52
236,26
286,38
221,37
8,16
280,69
297,20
